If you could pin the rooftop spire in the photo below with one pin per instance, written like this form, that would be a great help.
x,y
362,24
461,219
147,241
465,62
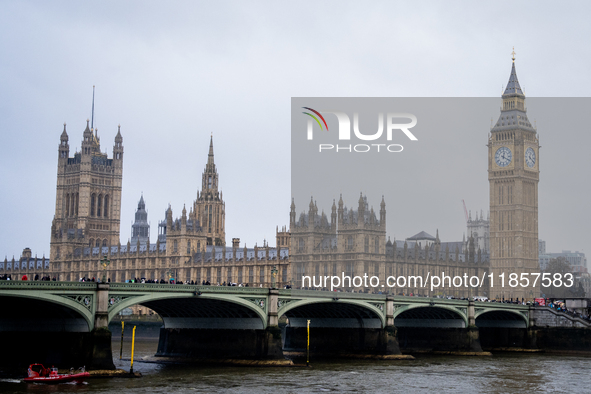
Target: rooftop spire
x,y
92,123
513,84
210,155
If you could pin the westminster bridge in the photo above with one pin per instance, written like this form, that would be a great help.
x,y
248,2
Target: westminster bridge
x,y
69,321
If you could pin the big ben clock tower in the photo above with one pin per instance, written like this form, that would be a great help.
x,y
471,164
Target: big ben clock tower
x,y
513,174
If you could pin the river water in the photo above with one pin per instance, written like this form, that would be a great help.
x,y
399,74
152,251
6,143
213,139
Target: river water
x,y
501,373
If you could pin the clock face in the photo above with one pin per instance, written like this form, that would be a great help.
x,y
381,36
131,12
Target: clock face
x,y
503,156
530,157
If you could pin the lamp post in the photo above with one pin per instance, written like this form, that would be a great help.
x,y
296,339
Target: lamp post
x,y
105,263
273,276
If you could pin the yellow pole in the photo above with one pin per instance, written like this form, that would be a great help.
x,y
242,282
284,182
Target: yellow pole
x,y
308,348
132,344
121,349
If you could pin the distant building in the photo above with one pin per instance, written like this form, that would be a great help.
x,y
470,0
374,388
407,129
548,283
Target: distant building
x,y
140,229
479,229
541,247
576,260
353,242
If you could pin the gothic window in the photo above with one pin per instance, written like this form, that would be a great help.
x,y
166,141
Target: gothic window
x,y
92,203
175,246
239,274
76,205
219,275
104,242
251,275
188,247
349,269
209,182
57,252
99,205
106,207
262,275
229,274
209,275
350,243
366,244
98,243
377,245
209,218
301,244
299,273
91,243
67,205
284,274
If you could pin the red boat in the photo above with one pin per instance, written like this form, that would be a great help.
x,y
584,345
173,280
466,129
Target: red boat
x,y
39,374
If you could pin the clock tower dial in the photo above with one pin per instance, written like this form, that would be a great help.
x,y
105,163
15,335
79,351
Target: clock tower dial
x,y
513,177
503,156
530,157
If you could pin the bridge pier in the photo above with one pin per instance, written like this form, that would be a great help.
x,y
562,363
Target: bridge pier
x,y
100,336
212,344
532,332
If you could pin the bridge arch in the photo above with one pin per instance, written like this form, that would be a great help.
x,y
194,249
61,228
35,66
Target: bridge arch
x,y
501,318
442,316
333,313
48,312
207,310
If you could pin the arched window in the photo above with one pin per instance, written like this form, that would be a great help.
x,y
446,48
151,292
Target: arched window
x,y
76,205
350,242
377,245
106,207
175,246
188,247
104,242
91,243
366,244
98,243
92,203
67,205
99,205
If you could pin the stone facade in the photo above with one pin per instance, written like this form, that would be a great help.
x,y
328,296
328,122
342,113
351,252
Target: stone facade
x,y
513,173
353,243
88,196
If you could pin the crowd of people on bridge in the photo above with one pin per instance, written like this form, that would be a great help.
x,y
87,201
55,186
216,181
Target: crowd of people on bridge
x,y
561,307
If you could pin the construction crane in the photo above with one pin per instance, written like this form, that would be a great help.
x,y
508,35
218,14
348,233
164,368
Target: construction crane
x,y
465,211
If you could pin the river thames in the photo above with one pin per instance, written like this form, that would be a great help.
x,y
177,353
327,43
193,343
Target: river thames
x,y
501,373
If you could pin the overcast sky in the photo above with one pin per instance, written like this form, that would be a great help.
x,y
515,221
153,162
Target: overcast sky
x,y
173,73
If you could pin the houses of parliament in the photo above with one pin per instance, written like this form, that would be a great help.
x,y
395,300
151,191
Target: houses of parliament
x,y
192,247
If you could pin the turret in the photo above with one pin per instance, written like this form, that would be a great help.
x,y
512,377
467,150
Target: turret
x,y
87,138
292,215
333,216
64,148
118,147
383,213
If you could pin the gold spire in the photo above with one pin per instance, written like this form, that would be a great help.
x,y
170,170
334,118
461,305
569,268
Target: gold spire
x,y
513,55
